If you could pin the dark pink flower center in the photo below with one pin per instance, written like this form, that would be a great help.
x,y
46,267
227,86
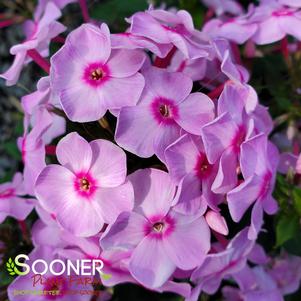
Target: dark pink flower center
x,y
84,184
159,226
164,110
203,167
96,74
7,193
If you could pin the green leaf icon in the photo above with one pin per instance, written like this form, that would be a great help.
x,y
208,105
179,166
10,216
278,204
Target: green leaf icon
x,y
11,268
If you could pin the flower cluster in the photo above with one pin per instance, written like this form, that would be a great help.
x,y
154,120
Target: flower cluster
x,y
168,223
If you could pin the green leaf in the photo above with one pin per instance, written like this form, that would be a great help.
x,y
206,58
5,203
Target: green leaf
x,y
297,199
293,246
114,11
287,227
12,149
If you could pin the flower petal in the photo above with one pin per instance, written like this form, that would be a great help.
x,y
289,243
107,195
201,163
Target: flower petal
x,y
108,163
189,243
194,112
124,63
110,202
149,264
74,152
121,92
126,232
154,191
136,130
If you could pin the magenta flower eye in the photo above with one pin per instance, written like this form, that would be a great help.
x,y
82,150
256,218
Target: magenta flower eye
x,y
96,74
164,110
203,167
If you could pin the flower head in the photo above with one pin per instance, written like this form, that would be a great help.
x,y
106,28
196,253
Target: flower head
x,y
160,238
96,78
88,189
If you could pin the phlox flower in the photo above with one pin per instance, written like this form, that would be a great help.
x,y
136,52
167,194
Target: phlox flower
x,y
258,163
95,78
275,21
218,266
12,200
32,146
223,136
165,109
160,238
188,166
88,189
238,29
286,271
255,285
39,33
167,27
42,99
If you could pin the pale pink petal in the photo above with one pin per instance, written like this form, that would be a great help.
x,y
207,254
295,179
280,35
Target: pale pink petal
x,y
74,152
218,135
194,112
256,221
226,178
108,163
217,222
240,198
174,86
126,232
181,157
117,93
154,191
136,130
165,135
189,243
150,264
92,44
124,63
110,202
268,32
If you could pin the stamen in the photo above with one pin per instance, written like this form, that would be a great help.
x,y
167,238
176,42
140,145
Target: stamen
x,y
97,74
164,110
84,184
204,167
158,227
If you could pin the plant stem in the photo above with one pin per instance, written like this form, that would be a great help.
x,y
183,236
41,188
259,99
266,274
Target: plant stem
x,y
39,60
